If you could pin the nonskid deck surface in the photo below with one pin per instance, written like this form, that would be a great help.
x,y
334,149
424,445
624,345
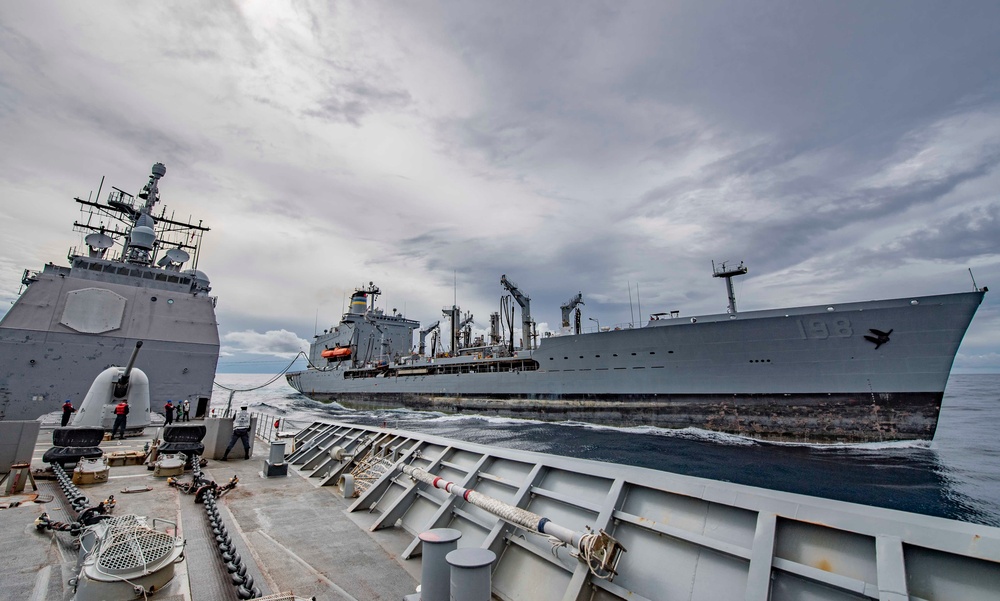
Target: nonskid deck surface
x,y
294,537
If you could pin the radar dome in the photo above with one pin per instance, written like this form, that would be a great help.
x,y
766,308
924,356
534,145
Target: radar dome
x,y
201,282
142,237
159,169
145,220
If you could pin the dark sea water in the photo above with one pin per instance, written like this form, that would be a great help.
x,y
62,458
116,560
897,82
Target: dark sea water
x,y
957,475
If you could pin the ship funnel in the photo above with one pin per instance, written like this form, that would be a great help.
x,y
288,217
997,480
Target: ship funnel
x,y
359,303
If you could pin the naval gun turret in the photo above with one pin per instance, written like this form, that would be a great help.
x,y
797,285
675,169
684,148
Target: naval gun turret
x,y
527,325
112,386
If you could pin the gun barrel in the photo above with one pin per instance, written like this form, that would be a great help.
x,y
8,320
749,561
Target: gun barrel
x,y
131,361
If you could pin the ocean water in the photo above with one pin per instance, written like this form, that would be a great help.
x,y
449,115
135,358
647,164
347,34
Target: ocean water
x,y
957,475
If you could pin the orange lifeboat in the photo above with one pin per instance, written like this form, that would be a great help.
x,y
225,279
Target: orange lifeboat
x,y
341,352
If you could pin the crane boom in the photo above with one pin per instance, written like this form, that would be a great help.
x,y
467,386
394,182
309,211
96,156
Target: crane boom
x,y
424,332
525,302
568,307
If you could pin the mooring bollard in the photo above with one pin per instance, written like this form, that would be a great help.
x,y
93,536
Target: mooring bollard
x,y
277,453
275,464
435,577
471,574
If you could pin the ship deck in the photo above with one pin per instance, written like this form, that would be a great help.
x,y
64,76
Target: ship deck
x,y
295,538
686,538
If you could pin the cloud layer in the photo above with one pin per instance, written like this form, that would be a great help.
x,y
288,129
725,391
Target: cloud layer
x,y
843,151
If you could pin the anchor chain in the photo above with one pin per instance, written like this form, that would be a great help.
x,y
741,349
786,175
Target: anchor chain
x,y
86,514
207,492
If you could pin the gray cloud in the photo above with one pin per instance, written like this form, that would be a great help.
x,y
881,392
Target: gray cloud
x,y
843,150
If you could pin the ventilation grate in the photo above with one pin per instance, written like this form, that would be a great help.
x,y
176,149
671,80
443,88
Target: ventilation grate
x,y
129,545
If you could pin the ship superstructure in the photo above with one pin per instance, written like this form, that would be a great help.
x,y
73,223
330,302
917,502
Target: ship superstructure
x,y
860,371
136,280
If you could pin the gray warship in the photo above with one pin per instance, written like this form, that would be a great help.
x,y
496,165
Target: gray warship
x,y
70,323
839,372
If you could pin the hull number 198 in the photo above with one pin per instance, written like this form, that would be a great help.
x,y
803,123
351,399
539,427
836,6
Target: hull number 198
x,y
820,329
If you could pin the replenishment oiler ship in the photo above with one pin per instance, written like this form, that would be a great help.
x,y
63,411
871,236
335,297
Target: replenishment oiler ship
x,y
840,372
136,280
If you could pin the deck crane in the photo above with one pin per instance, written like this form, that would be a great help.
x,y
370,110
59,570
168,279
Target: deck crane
x,y
568,306
424,332
525,302
465,329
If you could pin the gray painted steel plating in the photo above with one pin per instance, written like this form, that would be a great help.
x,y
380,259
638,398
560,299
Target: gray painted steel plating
x,y
71,323
687,538
820,373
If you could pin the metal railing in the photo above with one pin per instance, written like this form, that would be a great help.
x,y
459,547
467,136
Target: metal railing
x,y
269,425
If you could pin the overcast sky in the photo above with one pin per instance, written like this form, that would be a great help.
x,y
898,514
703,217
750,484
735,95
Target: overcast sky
x,y
844,150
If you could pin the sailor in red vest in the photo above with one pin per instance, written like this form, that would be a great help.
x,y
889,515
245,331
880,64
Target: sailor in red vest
x,y
121,416
168,412
68,410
